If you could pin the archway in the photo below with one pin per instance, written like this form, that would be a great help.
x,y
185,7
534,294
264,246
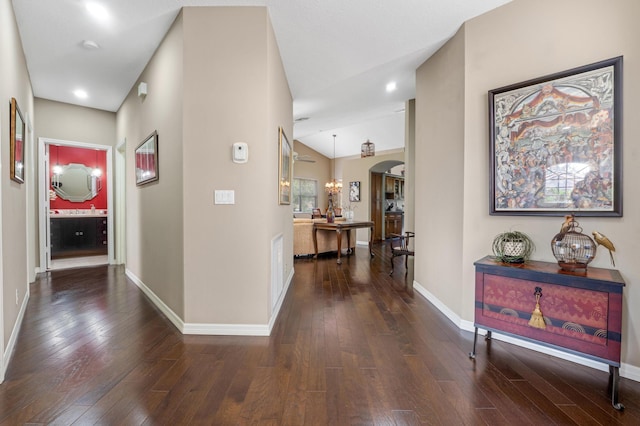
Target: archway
x,y
387,189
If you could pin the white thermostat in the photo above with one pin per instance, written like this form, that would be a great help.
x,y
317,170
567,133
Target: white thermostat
x,y
240,152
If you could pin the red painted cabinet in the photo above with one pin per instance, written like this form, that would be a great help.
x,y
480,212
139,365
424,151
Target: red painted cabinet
x,y
582,310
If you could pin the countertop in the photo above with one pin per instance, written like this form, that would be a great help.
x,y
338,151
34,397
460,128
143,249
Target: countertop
x,y
75,216
66,214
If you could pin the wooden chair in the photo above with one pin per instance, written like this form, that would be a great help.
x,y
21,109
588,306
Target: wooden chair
x,y
316,214
401,246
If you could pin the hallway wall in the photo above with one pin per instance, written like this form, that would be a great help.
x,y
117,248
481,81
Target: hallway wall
x,y
452,139
17,226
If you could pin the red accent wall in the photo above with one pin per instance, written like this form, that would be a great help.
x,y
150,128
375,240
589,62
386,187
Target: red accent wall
x,y
64,155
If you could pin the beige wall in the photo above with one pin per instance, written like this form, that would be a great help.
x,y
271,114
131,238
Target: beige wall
x,y
154,212
210,264
409,165
486,55
57,120
16,226
235,91
279,114
320,170
439,187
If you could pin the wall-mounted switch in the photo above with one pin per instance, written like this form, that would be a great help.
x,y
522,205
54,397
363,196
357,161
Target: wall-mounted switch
x,y
224,196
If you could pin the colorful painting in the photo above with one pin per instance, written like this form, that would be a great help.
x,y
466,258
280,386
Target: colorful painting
x,y
556,143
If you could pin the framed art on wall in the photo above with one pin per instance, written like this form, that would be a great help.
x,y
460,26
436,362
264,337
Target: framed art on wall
x,y
354,191
556,143
147,160
284,168
16,143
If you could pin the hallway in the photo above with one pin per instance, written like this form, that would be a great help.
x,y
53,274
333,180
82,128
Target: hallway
x,y
351,346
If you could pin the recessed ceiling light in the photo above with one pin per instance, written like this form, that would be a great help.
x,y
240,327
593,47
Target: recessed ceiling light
x,y
391,86
82,94
297,120
90,45
97,10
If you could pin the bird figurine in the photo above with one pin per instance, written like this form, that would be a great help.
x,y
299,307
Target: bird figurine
x,y
605,242
567,224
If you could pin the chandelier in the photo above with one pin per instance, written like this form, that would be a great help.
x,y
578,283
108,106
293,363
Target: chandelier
x,y
334,186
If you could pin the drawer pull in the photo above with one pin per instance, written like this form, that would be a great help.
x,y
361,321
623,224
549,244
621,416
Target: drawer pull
x,y
537,319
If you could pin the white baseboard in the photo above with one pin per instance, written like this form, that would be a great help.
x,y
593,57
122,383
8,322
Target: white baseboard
x,y
626,370
11,344
175,319
212,329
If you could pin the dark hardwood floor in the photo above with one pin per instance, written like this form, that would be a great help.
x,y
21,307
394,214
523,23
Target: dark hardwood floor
x,y
352,345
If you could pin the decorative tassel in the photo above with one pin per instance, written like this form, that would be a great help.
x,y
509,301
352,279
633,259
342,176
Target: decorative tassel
x,y
537,320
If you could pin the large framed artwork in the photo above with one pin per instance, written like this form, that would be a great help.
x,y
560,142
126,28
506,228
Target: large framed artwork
x,y
556,143
16,143
284,168
147,160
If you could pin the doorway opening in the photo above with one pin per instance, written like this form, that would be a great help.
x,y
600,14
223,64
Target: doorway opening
x,y
76,220
387,198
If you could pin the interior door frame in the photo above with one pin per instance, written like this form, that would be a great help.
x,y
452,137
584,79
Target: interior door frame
x,y
120,202
43,198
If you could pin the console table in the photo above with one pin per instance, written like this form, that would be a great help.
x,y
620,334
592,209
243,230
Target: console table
x,y
582,310
338,227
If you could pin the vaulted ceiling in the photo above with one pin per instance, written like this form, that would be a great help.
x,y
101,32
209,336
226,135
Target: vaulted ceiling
x,y
339,56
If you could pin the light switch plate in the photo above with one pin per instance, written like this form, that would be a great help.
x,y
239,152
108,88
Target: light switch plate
x,y
225,196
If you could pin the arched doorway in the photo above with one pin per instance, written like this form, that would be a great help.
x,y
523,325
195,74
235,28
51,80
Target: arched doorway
x,y
387,198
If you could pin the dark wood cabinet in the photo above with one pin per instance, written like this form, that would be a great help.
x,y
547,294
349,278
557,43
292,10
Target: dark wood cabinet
x,y
74,236
581,310
393,223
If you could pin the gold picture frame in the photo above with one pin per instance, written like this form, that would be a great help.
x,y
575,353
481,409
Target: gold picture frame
x,y
17,143
285,168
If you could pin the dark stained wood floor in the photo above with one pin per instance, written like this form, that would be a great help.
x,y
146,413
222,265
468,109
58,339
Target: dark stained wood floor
x,y
351,346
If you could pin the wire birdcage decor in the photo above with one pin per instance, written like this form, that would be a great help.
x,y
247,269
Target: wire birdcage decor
x,y
571,248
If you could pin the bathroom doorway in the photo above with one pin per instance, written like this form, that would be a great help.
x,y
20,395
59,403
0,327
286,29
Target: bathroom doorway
x,y
76,214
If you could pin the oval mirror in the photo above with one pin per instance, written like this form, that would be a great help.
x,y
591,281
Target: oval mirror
x,y
76,183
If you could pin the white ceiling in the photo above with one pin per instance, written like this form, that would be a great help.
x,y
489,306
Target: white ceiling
x,y
338,55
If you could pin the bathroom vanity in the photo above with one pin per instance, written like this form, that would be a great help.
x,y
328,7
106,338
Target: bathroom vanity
x,y
78,235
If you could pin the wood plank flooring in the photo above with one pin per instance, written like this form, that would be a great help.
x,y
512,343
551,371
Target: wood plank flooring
x,y
352,345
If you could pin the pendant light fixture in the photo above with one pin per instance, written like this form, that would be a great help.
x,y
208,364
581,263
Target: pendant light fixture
x,y
367,149
333,186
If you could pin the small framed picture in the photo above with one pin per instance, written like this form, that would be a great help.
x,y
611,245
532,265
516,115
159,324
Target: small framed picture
x,y
16,140
147,160
354,191
284,168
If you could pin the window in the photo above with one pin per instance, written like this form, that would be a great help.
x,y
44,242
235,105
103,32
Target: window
x,y
305,195
563,183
